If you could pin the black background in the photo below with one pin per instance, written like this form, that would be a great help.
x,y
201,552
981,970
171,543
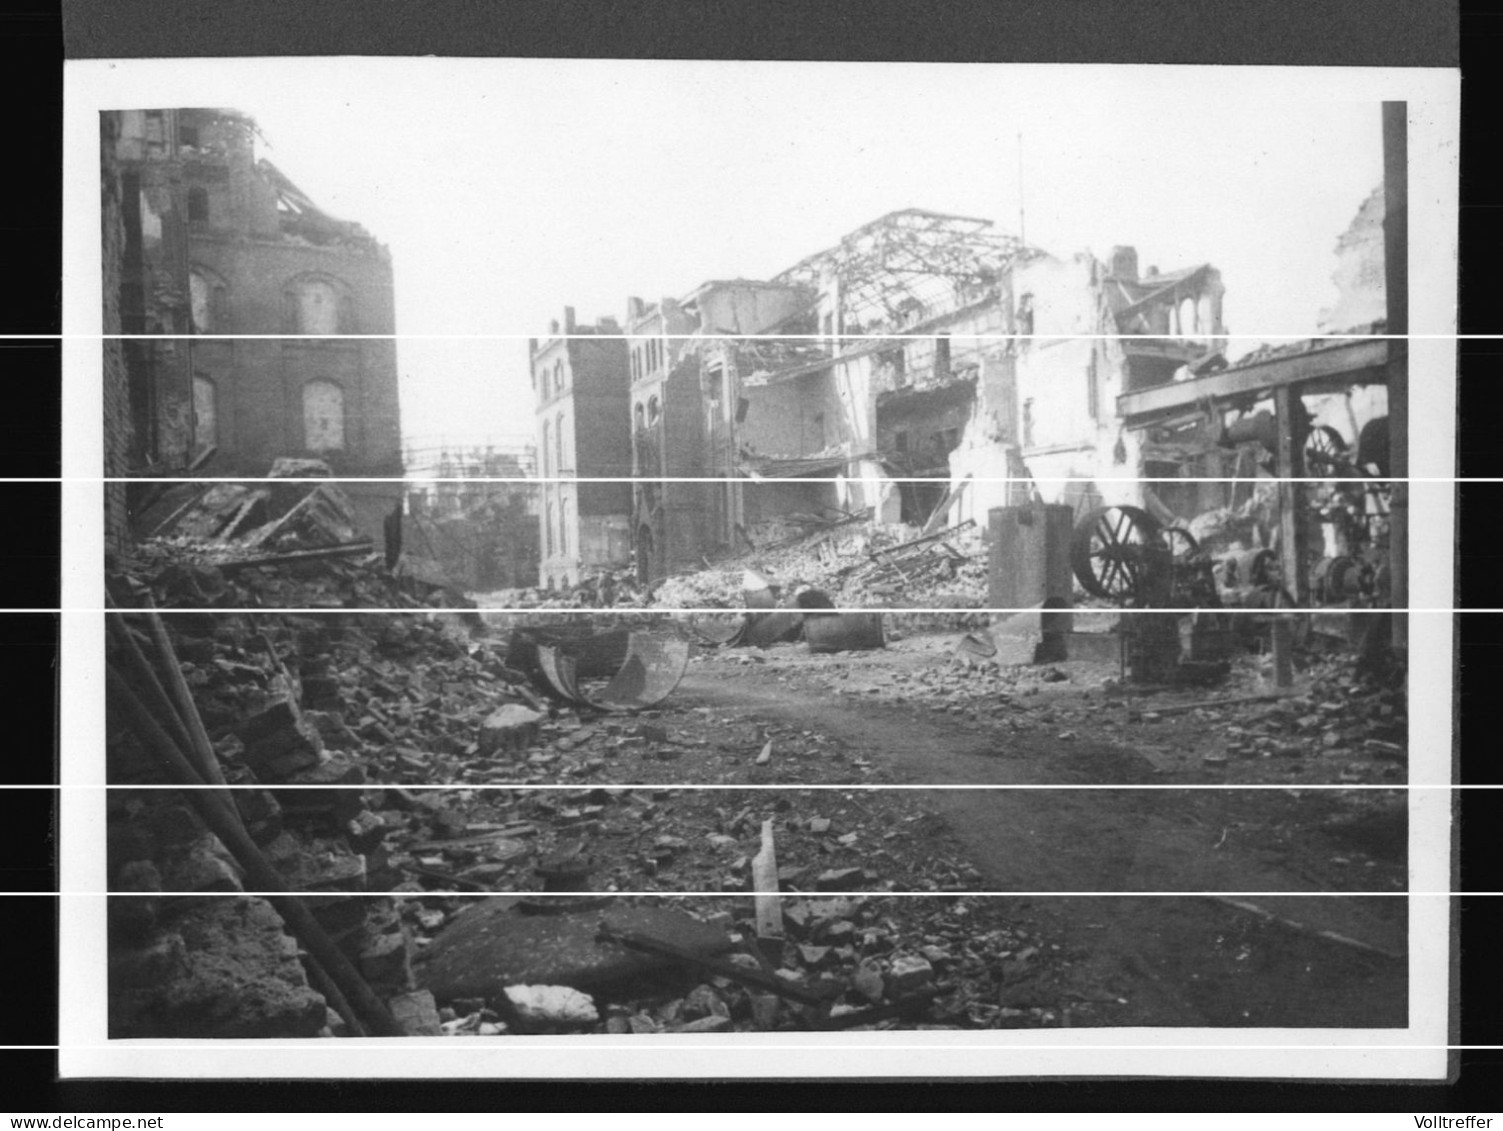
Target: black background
x,y
33,40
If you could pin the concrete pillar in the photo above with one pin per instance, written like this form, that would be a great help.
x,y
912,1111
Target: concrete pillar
x,y
1030,556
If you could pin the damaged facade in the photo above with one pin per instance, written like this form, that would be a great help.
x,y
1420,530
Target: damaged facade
x,y
579,380
220,252
922,356
477,519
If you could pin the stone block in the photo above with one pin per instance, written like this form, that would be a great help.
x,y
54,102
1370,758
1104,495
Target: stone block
x,y
510,730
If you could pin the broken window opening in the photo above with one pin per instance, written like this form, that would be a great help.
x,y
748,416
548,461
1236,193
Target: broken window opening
x,y
653,411
317,307
639,416
716,385
198,205
896,365
942,356
323,416
205,414
188,136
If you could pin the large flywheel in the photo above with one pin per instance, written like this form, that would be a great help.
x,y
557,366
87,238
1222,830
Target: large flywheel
x,y
1114,550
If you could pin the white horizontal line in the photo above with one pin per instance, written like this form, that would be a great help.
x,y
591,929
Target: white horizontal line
x,y
473,787
653,1045
870,894
545,340
712,610
543,480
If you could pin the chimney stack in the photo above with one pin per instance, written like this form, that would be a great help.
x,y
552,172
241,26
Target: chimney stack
x,y
568,320
1125,262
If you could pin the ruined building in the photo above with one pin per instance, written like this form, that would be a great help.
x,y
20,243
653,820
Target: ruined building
x,y
476,520
580,381
693,416
219,247
923,360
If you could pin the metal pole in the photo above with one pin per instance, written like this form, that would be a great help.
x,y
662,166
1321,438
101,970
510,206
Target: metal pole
x,y
1396,291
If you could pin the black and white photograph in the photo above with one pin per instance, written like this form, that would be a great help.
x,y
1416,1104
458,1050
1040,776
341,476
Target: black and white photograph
x,y
939,561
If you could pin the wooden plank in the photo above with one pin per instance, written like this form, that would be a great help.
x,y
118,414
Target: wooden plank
x,y
1364,359
1290,418
769,907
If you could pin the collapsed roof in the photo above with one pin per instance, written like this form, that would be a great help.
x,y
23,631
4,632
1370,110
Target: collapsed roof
x,y
909,265
300,216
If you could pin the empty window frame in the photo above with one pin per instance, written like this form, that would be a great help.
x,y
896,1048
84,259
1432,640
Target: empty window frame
x,y
205,413
323,416
206,301
317,306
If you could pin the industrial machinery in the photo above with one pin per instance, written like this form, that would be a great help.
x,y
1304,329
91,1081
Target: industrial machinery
x,y
1127,556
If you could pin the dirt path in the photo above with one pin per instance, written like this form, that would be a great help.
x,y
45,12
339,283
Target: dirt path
x,y
1180,960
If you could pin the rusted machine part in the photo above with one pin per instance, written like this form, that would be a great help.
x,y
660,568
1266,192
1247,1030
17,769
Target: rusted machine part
x,y
653,667
813,599
1259,427
1119,552
558,674
596,655
843,632
718,629
763,629
1153,646
1337,579
1248,569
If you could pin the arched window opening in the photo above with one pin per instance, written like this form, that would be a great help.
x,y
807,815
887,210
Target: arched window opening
x,y
558,378
639,415
548,532
205,414
317,306
546,448
206,297
652,411
1187,326
558,444
323,416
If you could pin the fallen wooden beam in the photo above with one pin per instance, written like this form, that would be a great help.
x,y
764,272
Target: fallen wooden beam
x,y
224,823
344,550
769,913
